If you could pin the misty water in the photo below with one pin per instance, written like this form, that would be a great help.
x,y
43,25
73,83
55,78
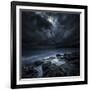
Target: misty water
x,y
42,62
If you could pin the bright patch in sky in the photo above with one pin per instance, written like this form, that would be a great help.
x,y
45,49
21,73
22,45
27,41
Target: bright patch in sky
x,y
51,19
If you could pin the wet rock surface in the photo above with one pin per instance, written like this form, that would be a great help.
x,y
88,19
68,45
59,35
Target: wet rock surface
x,y
58,66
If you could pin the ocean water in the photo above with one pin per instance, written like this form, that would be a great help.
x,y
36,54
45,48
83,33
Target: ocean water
x,y
41,54
44,63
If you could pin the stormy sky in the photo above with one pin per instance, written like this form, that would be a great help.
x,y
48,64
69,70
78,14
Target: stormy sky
x,y
46,29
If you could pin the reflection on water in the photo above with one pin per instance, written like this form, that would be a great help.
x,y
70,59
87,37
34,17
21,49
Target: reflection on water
x,y
51,63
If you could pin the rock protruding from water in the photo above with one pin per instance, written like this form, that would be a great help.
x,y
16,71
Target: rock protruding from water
x,y
66,64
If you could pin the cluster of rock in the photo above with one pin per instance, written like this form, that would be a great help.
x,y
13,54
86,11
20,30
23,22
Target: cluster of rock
x,y
58,66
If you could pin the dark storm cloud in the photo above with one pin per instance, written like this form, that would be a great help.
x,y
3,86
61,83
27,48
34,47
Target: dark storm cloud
x,y
54,29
